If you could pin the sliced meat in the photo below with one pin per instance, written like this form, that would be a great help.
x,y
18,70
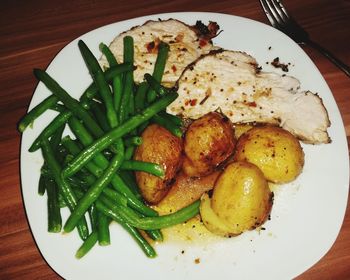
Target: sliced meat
x,y
187,43
229,81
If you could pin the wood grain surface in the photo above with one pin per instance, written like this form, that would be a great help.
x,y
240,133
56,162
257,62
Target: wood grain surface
x,y
33,32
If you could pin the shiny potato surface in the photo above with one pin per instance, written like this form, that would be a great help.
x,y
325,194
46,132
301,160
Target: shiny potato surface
x,y
208,142
274,150
161,147
211,220
241,128
241,199
186,190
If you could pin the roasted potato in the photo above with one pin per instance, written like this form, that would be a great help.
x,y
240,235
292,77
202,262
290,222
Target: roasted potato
x,y
241,128
186,190
161,147
241,200
274,150
211,220
208,142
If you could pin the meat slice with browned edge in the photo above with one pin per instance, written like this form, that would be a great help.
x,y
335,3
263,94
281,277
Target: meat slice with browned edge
x,y
230,81
186,42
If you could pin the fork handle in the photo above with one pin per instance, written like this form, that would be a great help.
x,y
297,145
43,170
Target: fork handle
x,y
341,65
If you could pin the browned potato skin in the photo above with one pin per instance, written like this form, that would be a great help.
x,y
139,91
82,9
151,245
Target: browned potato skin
x,y
274,150
186,190
208,142
161,147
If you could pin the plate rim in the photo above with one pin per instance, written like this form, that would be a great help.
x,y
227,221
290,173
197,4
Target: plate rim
x,y
146,17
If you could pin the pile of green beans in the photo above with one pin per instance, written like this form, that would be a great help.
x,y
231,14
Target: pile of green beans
x,y
93,174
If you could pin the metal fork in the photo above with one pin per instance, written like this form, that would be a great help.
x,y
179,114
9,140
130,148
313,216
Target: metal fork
x,y
279,18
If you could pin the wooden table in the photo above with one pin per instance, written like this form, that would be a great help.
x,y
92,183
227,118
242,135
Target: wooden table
x,y
32,32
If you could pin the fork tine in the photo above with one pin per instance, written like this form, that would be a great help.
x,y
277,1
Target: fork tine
x,y
271,14
281,10
268,13
275,12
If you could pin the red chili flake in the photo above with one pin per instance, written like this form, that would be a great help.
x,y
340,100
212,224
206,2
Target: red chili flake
x,y
251,104
203,43
187,102
150,46
193,102
173,68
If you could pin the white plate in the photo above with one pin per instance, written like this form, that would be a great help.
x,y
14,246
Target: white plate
x,y
307,213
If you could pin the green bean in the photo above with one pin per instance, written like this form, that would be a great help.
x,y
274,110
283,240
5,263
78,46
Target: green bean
x,y
37,111
92,211
49,130
140,96
109,75
117,80
58,108
52,100
115,196
72,104
93,192
65,189
174,119
129,152
100,115
54,142
42,184
104,238
93,216
108,54
158,71
102,85
103,142
155,87
56,138
141,103
142,127
133,201
154,234
174,129
61,119
117,182
133,141
101,225
61,201
147,223
141,241
128,80
86,139
149,167
78,181
87,245
53,209
74,181
129,178
74,149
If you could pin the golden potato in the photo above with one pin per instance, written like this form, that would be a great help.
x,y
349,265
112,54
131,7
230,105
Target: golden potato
x,y
241,128
211,221
161,147
208,142
241,200
274,150
186,190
